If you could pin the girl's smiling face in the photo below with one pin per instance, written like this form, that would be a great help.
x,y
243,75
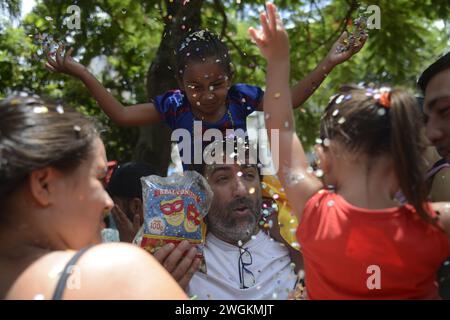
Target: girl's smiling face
x,y
206,85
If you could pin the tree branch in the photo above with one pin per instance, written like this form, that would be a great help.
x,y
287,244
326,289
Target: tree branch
x,y
342,26
219,6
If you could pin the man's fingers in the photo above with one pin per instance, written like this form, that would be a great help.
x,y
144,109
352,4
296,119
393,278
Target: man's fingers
x,y
184,264
119,215
176,255
136,222
162,253
184,282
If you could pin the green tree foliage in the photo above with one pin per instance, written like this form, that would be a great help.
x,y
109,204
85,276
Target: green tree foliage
x,y
134,40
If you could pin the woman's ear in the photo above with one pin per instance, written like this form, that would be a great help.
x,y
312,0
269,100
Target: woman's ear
x,y
41,183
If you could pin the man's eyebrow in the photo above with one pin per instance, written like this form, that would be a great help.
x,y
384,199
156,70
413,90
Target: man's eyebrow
x,y
216,169
248,166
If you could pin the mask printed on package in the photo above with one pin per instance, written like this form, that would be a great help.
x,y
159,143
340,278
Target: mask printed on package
x,y
174,209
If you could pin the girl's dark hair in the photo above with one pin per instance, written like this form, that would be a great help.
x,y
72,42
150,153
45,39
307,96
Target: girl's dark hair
x,y
200,45
363,123
35,134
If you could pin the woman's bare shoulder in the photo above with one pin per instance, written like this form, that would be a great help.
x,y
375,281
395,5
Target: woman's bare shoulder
x,y
105,271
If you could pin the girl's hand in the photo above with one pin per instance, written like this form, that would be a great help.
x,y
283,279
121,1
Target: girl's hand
x,y
336,57
272,40
64,64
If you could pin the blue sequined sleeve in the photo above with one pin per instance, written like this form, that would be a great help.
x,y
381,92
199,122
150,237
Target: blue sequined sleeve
x,y
247,96
170,105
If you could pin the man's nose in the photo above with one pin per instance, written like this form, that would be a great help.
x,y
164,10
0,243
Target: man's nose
x,y
239,187
433,132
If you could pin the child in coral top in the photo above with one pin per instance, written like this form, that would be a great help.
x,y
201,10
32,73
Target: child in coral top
x,y
357,241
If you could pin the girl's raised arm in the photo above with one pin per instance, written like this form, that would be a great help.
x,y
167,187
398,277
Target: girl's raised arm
x,y
139,114
273,43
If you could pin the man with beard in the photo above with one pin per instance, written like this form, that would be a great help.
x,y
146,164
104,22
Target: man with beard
x,y
435,85
243,262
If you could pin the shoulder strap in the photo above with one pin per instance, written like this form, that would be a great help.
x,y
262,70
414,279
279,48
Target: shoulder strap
x,y
61,285
438,166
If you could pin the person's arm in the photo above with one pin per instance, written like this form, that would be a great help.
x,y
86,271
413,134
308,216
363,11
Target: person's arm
x,y
295,255
139,114
273,43
121,271
443,209
306,87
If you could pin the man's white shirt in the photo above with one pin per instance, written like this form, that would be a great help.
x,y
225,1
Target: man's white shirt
x,y
271,267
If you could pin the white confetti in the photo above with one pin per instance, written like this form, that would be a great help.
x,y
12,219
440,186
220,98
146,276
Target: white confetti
x,y
60,109
40,109
339,99
381,112
341,120
295,245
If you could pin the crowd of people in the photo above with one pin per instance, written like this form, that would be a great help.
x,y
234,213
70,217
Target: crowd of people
x,y
383,202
